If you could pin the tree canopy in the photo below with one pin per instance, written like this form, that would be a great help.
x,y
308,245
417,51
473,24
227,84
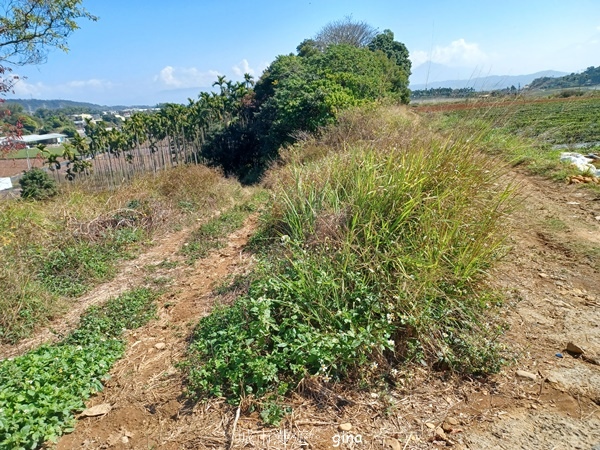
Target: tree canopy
x,y
29,28
241,126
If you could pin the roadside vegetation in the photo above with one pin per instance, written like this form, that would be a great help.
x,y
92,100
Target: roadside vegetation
x,y
56,250
374,246
526,133
41,391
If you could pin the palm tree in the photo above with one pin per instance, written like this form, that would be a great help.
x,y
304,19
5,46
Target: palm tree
x,y
248,80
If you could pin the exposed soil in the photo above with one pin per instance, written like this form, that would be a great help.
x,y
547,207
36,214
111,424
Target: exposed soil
x,y
12,167
551,279
131,274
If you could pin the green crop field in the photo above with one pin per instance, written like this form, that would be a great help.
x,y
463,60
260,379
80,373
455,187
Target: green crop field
x,y
25,153
554,121
558,122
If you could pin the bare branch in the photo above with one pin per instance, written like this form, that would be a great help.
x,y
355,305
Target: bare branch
x,y
346,31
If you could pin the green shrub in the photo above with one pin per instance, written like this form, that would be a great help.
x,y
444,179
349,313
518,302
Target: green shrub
x,y
36,184
381,244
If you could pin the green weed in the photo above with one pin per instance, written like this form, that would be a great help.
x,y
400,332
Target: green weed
x,y
62,247
40,391
211,235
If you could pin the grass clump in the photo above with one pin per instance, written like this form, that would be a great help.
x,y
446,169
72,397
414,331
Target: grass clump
x,y
40,391
212,234
380,248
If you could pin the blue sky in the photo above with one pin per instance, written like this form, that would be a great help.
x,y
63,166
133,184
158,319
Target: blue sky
x,y
148,51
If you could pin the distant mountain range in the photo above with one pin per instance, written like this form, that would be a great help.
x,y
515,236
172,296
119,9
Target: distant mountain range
x,y
31,105
432,75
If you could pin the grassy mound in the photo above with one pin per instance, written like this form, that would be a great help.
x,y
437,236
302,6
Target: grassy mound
x,y
379,233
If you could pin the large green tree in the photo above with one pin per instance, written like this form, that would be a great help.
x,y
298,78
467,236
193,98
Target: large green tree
x,y
394,50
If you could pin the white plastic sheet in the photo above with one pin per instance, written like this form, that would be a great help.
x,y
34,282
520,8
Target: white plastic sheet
x,y
5,183
581,162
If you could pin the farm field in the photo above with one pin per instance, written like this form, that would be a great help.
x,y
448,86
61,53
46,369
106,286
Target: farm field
x,y
570,120
25,153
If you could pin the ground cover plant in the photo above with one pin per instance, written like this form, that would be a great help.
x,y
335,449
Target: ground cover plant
x,y
41,390
212,234
380,231
54,251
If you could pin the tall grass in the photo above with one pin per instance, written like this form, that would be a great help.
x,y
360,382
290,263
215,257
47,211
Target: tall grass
x,y
526,133
382,231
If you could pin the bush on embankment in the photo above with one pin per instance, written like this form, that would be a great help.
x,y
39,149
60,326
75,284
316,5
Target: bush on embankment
x,y
379,234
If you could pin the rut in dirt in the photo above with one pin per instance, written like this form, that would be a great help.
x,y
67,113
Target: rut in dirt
x,y
145,391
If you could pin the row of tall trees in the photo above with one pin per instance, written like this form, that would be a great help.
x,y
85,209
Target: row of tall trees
x,y
241,126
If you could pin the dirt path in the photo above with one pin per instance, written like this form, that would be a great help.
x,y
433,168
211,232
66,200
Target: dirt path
x,y
551,277
145,390
130,274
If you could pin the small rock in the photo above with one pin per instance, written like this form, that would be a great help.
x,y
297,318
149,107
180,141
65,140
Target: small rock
x,y
374,395
439,434
430,425
559,355
452,421
125,440
392,444
447,427
543,275
597,218
574,349
578,292
98,410
345,427
160,346
527,375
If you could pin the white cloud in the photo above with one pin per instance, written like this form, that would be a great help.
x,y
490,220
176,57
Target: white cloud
x,y
185,77
92,83
24,88
457,53
242,68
